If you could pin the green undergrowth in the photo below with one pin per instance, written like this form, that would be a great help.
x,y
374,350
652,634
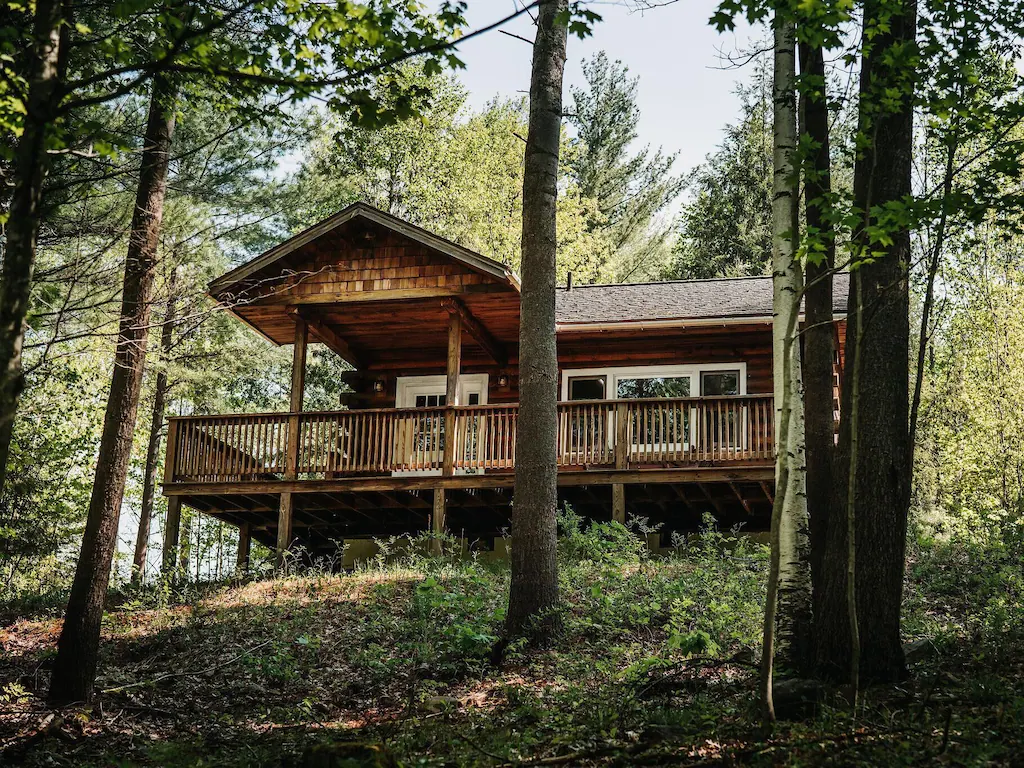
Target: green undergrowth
x,y
653,665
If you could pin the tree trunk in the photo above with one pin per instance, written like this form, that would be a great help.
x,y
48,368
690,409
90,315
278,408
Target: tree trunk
x,y
75,666
534,587
153,447
880,287
31,162
819,346
787,615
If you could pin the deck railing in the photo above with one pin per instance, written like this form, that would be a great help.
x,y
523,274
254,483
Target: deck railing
x,y
599,434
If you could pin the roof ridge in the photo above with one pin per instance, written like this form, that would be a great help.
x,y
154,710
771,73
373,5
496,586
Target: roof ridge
x,y
672,282
666,282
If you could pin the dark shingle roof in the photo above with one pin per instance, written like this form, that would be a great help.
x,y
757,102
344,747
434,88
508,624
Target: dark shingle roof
x,y
727,298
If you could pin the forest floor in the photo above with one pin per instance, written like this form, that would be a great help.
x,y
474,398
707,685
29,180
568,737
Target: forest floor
x,y
653,667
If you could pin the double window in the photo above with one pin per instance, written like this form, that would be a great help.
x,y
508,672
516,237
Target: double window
x,y
654,382
663,427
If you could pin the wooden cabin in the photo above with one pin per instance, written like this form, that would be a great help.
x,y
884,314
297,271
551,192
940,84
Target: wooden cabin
x,y
665,405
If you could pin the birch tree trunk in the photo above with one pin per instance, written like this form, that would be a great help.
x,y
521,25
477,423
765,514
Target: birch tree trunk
x,y
534,588
819,334
75,666
787,614
153,446
31,162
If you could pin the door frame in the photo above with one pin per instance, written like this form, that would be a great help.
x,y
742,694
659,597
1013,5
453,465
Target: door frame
x,y
408,387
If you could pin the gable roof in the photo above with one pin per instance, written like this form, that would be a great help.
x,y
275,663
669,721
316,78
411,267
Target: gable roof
x,y
676,301
471,259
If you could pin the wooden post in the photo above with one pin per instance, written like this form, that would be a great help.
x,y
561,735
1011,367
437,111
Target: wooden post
x,y
172,529
621,435
454,358
619,503
299,364
437,521
451,399
287,505
170,470
244,541
284,528
621,460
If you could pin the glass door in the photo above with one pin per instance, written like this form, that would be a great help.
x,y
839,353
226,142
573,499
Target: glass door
x,y
422,435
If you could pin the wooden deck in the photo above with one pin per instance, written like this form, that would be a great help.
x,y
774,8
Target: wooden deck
x,y
349,474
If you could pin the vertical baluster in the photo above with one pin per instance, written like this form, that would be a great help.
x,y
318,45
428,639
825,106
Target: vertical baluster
x,y
227,451
231,448
663,430
189,446
358,451
378,432
256,437
236,459
213,454
719,421
224,470
589,439
513,426
375,438
358,428
561,434
242,447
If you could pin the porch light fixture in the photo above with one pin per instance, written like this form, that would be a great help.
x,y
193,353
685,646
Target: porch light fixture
x,y
502,379
378,385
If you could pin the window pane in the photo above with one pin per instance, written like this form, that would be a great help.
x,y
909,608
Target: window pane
x,y
720,383
586,388
654,386
474,398
421,401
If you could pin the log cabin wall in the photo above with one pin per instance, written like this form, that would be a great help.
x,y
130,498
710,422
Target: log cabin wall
x,y
750,344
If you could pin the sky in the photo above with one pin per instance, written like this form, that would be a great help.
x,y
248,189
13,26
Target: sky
x,y
685,95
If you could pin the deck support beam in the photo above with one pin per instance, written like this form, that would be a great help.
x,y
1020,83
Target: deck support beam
x,y
172,530
285,510
619,503
244,544
437,521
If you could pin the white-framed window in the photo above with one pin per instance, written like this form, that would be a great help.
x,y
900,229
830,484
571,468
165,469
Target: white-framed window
x,y
427,391
674,428
705,379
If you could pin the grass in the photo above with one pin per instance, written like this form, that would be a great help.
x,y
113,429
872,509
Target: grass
x,y
653,666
